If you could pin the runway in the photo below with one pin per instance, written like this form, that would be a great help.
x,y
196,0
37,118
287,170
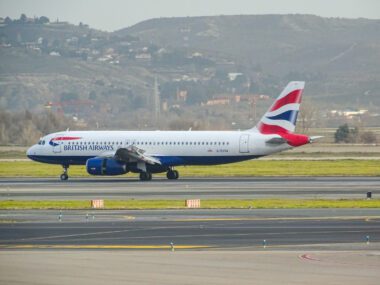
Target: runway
x,y
272,246
190,229
185,188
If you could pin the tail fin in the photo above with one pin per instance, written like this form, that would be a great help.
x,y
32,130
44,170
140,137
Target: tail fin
x,y
281,117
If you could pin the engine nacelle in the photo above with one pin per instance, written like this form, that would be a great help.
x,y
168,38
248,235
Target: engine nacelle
x,y
105,166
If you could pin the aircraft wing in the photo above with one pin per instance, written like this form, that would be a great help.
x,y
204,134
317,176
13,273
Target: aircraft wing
x,y
133,153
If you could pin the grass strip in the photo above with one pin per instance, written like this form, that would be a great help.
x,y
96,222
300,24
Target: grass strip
x,y
246,168
205,204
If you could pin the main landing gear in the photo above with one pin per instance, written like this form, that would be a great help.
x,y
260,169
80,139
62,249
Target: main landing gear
x,y
64,176
145,176
172,174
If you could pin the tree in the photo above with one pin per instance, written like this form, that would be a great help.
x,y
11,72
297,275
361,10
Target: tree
x,y
347,135
342,134
23,18
8,21
368,137
306,116
43,20
69,96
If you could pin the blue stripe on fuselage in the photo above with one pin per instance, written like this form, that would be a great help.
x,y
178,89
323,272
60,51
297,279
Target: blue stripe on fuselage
x,y
165,160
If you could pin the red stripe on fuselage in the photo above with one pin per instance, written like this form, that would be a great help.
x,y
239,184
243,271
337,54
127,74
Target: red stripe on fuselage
x,y
291,98
66,138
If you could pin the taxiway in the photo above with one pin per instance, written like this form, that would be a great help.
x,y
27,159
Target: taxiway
x,y
186,188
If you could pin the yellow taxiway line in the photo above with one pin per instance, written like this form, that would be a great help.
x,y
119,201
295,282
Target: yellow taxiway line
x,y
366,218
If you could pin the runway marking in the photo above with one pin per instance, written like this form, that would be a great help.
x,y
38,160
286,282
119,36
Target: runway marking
x,y
366,218
97,246
308,257
129,217
232,235
80,235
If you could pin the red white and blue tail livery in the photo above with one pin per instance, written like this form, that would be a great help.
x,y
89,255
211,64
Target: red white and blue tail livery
x,y
147,152
282,115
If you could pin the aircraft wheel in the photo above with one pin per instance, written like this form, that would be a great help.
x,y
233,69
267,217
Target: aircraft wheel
x,y
64,176
172,174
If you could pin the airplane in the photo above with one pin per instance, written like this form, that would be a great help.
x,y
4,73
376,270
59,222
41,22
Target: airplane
x,y
147,152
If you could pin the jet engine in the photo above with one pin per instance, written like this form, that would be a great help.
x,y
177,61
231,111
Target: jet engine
x,y
106,166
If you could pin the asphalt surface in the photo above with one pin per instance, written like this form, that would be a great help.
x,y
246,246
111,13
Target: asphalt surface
x,y
190,229
189,267
185,188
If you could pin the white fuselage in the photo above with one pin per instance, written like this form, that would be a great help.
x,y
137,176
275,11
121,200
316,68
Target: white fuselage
x,y
172,147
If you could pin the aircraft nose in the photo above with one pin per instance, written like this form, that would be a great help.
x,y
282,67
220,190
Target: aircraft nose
x,y
31,151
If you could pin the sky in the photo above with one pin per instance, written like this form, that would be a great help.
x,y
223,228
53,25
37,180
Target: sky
x,y
110,15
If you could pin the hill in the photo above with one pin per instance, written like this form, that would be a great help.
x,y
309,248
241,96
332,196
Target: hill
x,y
340,58
212,72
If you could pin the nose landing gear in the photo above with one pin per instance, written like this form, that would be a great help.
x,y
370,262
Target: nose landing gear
x,y
64,176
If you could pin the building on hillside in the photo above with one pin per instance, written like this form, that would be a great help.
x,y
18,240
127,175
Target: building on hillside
x,y
218,101
182,95
348,114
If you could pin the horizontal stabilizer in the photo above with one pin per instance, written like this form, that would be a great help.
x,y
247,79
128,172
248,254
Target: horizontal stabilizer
x,y
276,141
314,138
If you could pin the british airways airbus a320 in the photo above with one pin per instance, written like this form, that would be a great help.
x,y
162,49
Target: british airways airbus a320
x,y
147,152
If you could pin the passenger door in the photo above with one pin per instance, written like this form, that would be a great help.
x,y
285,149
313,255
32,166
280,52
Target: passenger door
x,y
243,144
